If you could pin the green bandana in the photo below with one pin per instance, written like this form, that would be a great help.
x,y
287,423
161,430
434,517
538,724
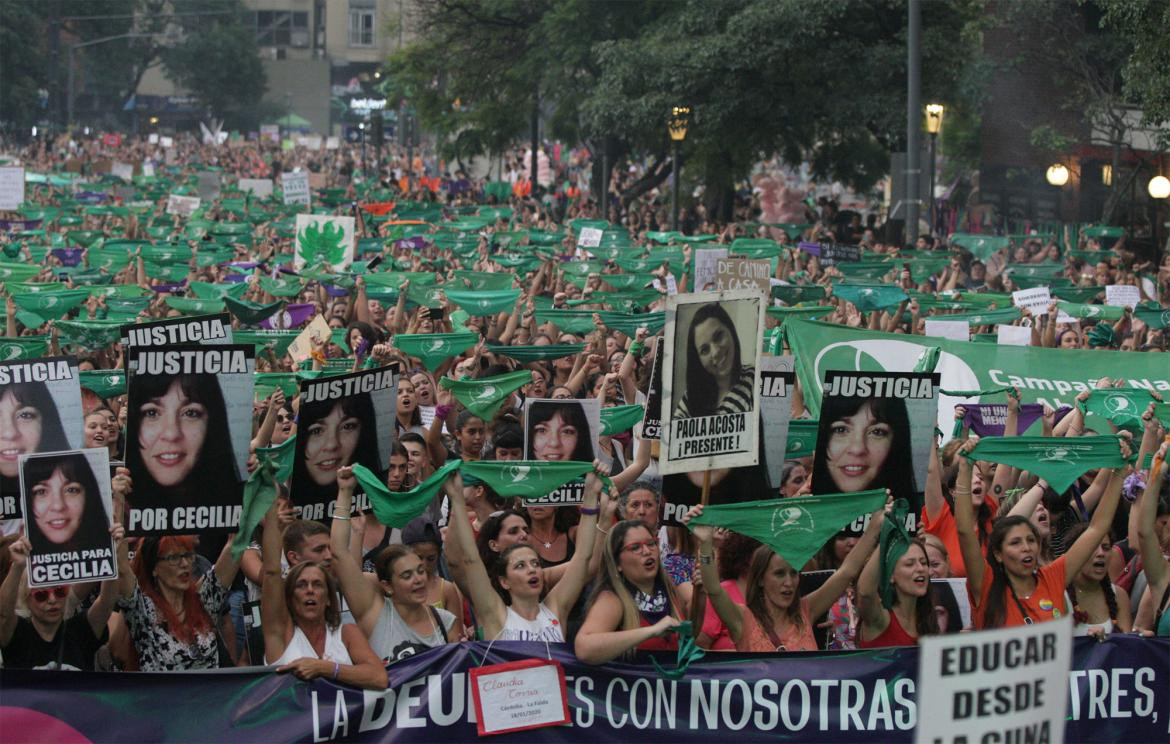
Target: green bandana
x,y
617,419
982,246
484,397
629,323
529,479
1091,312
868,270
536,353
126,308
485,280
484,301
435,348
23,347
89,334
104,383
209,291
577,322
869,297
892,545
795,528
1058,460
688,652
281,287
398,509
38,307
802,438
803,293
18,272
260,491
278,341
1101,335
425,295
1152,316
251,313
1076,294
189,306
1123,406
627,281
268,382
987,317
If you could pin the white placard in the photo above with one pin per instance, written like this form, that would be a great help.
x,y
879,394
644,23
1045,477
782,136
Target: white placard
x,y
295,187
183,206
302,345
1023,696
1010,335
519,695
956,330
590,237
1122,295
707,268
11,187
1035,299
125,171
166,141
332,143
148,169
261,188
152,139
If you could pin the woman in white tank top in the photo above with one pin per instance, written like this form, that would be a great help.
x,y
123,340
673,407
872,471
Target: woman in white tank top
x,y
301,620
528,614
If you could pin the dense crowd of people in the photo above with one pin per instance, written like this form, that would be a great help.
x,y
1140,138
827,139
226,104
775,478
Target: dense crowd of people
x,y
341,597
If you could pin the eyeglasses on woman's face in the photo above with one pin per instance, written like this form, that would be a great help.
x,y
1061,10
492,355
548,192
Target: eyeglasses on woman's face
x,y
639,547
42,595
175,558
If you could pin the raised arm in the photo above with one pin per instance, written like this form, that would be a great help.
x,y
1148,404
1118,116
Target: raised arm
x,y
1155,564
563,596
933,495
873,615
274,617
1079,553
489,608
10,589
729,612
965,522
635,469
363,599
823,598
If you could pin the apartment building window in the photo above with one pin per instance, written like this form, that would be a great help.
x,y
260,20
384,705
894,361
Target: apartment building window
x,y
281,28
362,18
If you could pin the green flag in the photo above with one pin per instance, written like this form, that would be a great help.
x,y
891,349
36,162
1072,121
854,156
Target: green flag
x,y
484,301
869,297
104,383
795,294
530,479
397,509
89,334
435,348
1152,316
485,280
986,317
485,396
281,287
795,528
277,340
616,419
536,353
251,313
802,438
38,307
577,322
275,466
629,323
1123,406
23,347
1058,460
268,382
1091,312
1076,294
210,291
189,306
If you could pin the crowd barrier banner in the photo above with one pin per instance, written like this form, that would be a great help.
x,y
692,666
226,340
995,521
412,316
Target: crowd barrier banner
x,y
1117,693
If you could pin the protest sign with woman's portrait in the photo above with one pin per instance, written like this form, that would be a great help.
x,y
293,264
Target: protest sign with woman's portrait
x,y
40,411
67,498
562,430
342,420
711,380
187,437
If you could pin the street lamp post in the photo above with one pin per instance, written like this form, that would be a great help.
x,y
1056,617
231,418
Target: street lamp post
x,y
362,129
934,115
79,45
680,117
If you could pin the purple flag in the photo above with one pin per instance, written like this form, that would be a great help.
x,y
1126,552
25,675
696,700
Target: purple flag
x,y
989,419
19,225
293,317
169,286
68,256
813,248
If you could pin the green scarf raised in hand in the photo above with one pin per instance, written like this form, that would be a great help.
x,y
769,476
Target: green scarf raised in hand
x,y
398,509
485,396
530,479
1058,460
435,348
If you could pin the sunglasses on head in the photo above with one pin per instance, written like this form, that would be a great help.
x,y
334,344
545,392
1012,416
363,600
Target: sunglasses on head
x,y
42,595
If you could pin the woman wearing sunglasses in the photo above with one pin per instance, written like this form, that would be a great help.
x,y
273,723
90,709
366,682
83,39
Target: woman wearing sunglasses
x,y
48,638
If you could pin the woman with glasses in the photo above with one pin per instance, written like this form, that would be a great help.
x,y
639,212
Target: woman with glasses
x,y
47,638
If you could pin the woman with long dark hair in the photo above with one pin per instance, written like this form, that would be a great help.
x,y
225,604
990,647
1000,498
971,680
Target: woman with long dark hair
x,y
29,423
868,446
330,435
65,502
559,432
1008,587
179,445
717,380
1099,606
911,612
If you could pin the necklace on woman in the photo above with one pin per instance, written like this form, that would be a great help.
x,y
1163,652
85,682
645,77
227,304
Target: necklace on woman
x,y
547,543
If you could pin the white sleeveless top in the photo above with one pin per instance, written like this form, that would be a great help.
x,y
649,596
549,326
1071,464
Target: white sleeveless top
x,y
545,627
300,648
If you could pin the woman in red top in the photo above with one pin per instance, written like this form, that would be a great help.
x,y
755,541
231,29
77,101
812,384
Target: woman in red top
x,y
1009,588
910,615
633,605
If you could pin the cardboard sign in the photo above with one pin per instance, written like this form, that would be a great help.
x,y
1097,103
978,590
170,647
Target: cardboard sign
x,y
183,206
707,267
1035,299
518,696
125,171
777,377
1122,295
68,498
302,345
332,143
1010,335
322,240
652,419
995,685
295,187
743,273
835,253
166,142
710,401
152,138
261,188
590,237
194,329
956,330
11,187
208,185
270,132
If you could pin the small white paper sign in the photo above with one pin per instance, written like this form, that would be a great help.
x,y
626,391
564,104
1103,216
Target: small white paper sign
x,y
671,285
1122,295
1010,335
1035,299
166,141
956,330
707,268
148,169
1029,672
295,187
183,206
332,143
590,237
302,345
125,171
261,188
519,695
11,187
152,139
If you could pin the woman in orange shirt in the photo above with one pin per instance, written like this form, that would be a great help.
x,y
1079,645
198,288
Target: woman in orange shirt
x,y
1009,588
